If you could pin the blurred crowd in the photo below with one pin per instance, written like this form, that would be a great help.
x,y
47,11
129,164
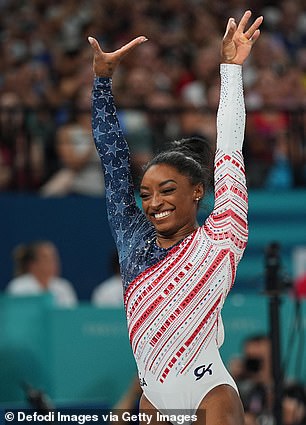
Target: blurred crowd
x,y
166,89
253,374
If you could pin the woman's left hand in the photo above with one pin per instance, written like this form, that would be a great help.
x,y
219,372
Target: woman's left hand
x,y
237,41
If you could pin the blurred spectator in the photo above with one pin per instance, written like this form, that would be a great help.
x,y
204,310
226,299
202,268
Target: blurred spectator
x,y
267,148
163,124
81,170
205,68
280,175
135,126
294,405
45,64
300,286
253,373
200,122
251,419
254,376
291,27
110,292
37,270
139,84
22,160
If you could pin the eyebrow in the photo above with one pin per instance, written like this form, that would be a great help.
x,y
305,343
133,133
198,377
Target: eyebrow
x,y
160,184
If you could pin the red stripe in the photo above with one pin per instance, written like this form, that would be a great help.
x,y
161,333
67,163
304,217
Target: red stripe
x,y
199,346
202,323
153,270
145,315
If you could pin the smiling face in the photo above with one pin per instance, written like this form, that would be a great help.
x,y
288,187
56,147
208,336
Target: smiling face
x,y
169,200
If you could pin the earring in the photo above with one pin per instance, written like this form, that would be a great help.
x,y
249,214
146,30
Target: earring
x,y
198,198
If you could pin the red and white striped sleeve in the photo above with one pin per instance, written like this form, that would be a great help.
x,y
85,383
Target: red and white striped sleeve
x,y
227,224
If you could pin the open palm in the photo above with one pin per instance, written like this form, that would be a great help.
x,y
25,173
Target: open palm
x,y
237,42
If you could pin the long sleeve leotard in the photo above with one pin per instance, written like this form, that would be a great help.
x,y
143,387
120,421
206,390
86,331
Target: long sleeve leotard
x,y
174,296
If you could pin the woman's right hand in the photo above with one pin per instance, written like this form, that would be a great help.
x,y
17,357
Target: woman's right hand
x,y
104,64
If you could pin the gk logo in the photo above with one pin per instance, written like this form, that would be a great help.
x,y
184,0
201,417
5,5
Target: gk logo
x,y
201,370
142,382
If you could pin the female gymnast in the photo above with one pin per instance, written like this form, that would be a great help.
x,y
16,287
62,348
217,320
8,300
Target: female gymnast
x,y
177,274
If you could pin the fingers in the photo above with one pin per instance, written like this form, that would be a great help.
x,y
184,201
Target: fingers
x,y
255,36
104,64
131,45
250,33
95,45
230,29
244,20
120,52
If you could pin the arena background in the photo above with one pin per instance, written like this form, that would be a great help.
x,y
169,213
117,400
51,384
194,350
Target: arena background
x,y
80,357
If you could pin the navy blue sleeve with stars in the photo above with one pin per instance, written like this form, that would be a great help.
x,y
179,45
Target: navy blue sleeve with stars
x,y
133,233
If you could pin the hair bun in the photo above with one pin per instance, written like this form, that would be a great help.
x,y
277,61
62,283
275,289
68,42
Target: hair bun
x,y
192,157
198,148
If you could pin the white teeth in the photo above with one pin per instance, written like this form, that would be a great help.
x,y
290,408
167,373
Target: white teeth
x,y
162,214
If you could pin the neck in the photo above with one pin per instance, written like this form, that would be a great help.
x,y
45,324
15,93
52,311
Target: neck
x,y
167,241
43,280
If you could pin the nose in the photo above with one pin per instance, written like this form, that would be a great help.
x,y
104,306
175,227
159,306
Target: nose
x,y
156,201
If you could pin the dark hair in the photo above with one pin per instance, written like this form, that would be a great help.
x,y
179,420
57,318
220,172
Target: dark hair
x,y
256,338
24,255
192,157
296,391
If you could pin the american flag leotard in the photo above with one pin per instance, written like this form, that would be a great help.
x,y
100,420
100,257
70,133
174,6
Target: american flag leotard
x,y
173,297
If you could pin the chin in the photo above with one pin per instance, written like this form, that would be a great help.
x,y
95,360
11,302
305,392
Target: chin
x,y
165,231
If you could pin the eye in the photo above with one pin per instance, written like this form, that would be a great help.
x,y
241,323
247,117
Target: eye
x,y
168,190
144,195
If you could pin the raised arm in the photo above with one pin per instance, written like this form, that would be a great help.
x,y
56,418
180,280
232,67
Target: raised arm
x,y
227,224
111,144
